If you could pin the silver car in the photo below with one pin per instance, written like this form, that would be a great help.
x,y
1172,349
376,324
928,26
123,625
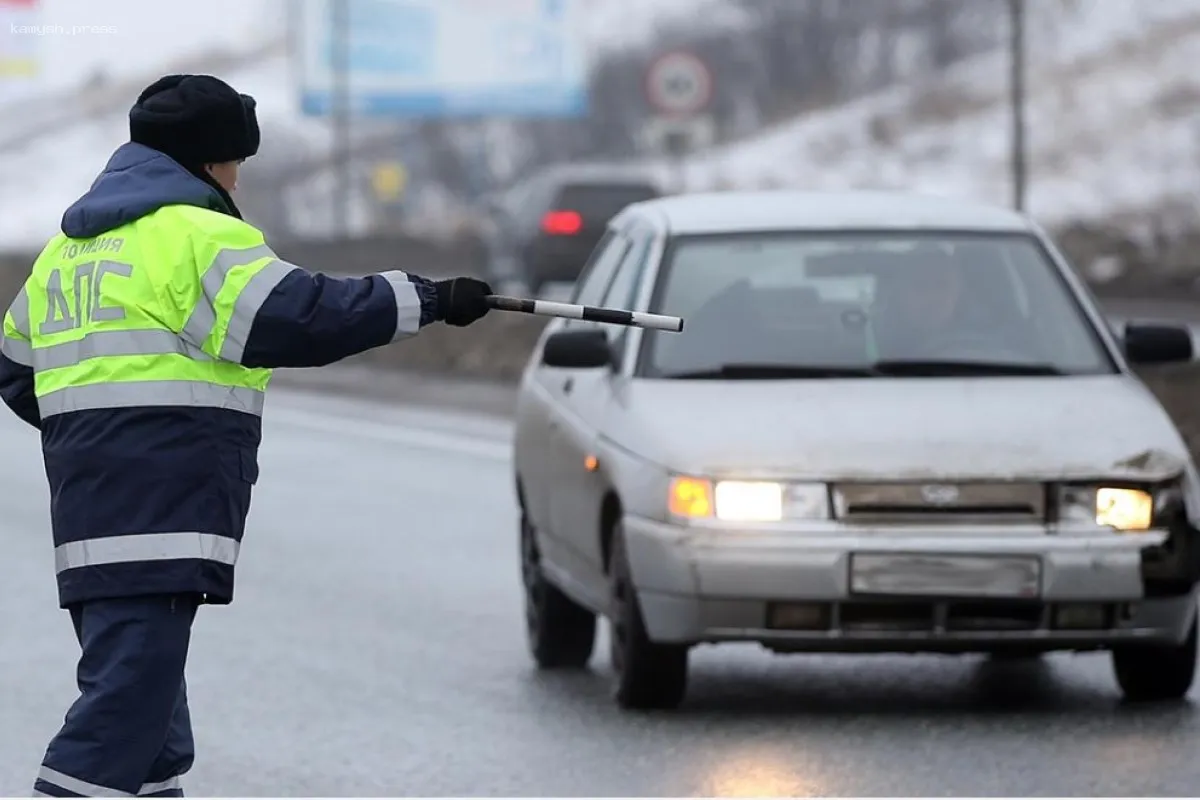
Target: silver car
x,y
891,424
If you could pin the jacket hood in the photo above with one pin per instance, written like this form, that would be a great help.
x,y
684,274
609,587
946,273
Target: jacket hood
x,y
136,182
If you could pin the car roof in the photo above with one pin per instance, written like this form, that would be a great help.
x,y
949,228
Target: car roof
x,y
598,173
761,211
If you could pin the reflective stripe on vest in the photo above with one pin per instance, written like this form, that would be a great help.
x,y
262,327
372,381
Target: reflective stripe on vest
x,y
17,350
98,344
20,313
127,324
146,547
202,324
198,394
14,333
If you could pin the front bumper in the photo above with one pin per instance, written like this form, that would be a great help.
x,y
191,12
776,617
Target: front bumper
x,y
704,585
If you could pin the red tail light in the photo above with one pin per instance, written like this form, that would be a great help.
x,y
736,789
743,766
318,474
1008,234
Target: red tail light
x,y
562,223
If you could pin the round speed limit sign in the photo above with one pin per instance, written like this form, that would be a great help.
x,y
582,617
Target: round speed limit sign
x,y
679,83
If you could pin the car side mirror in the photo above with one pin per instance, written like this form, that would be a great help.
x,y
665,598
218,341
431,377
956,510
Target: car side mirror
x,y
586,349
1154,343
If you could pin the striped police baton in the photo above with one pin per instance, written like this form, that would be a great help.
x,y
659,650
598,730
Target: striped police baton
x,y
613,316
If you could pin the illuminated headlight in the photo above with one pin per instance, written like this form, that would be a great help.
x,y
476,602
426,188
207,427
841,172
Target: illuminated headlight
x,y
747,501
1123,509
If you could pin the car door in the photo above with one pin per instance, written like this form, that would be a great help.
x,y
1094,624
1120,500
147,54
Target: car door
x,y
537,407
586,396
547,415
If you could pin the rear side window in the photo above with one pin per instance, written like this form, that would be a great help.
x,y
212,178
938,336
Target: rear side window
x,y
598,273
624,284
600,202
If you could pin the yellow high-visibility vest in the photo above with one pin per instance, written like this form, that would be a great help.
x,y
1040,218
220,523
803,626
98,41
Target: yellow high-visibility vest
x,y
153,313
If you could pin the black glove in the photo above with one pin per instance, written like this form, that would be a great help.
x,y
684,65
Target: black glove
x,y
460,301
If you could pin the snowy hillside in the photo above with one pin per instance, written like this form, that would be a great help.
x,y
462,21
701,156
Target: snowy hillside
x,y
141,36
44,172
43,177
1112,102
1113,122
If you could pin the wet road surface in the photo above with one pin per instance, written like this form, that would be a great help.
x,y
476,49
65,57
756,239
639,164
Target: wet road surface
x,y
375,647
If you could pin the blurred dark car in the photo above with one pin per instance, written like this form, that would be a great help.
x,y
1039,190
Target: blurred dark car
x,y
543,229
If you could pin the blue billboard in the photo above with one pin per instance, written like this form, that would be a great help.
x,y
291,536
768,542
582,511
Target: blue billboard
x,y
444,58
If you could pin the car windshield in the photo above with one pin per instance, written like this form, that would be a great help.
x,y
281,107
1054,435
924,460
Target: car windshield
x,y
866,305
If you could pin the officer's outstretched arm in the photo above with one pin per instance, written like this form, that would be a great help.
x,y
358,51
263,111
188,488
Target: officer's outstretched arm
x,y
309,319
256,309
16,363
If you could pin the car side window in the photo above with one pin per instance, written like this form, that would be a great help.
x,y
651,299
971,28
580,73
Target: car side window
x,y
625,282
623,288
598,273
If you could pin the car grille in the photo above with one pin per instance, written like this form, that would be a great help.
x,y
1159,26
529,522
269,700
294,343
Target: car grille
x,y
950,503
978,616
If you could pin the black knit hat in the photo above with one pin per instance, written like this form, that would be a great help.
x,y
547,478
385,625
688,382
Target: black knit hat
x,y
195,119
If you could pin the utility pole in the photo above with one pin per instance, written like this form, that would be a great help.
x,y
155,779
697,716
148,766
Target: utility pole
x,y
341,34
1017,66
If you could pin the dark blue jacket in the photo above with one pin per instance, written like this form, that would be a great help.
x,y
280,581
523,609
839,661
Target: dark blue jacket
x,y
158,470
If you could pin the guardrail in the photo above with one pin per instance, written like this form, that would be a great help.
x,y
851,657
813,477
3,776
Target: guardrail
x,y
344,257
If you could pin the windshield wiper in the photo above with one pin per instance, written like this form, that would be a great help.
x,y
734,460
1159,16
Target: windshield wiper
x,y
771,371
922,367
913,368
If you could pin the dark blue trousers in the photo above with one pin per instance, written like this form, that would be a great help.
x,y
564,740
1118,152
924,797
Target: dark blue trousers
x,y
129,732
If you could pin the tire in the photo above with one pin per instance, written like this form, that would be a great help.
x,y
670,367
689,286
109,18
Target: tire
x,y
561,633
1153,673
647,675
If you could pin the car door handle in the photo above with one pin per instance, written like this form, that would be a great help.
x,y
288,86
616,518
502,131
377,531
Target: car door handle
x,y
568,385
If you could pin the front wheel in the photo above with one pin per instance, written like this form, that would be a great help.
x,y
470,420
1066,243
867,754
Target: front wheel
x,y
561,633
1149,673
647,675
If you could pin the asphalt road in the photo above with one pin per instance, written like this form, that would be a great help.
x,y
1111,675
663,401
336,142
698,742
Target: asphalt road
x,y
376,648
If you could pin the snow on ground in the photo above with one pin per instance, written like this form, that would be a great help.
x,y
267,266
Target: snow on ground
x,y
42,177
1112,99
1112,121
141,36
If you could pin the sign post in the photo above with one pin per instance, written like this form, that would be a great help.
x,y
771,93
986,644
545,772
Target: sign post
x,y
679,87
445,60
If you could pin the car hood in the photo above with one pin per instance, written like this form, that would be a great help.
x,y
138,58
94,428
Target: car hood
x,y
902,429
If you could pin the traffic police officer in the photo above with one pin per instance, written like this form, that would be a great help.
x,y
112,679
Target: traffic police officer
x,y
141,346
